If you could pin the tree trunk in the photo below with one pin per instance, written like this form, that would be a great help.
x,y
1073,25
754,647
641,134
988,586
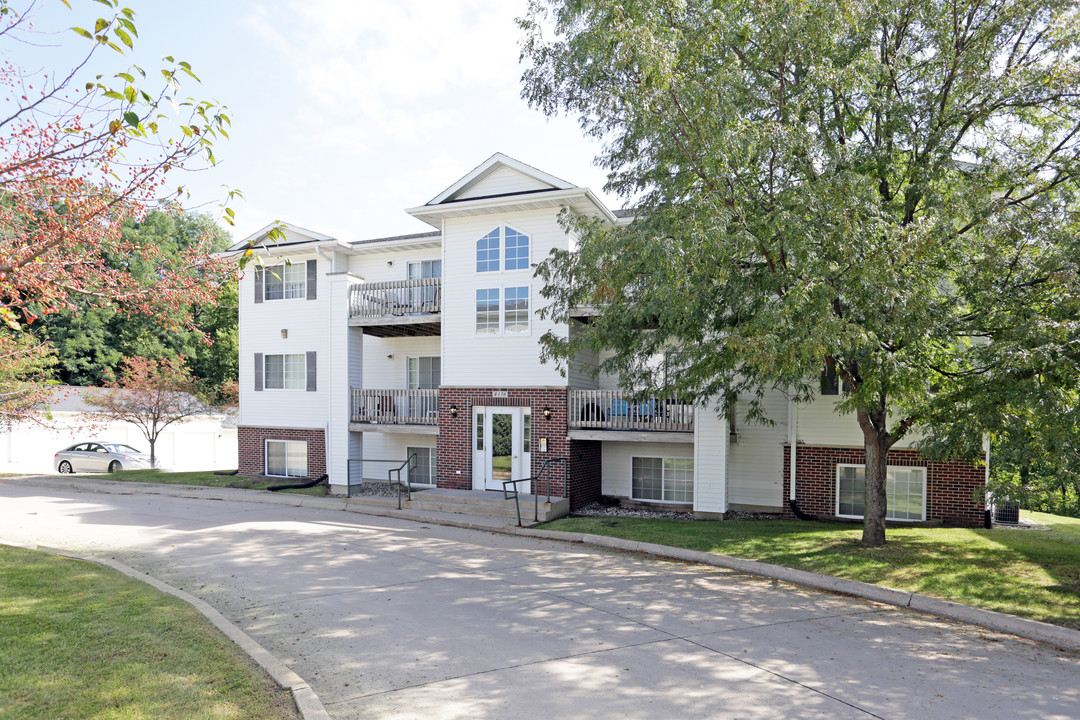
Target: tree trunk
x,y
153,456
877,451
876,442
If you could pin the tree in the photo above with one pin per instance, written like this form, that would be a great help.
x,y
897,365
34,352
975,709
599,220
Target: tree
x,y
885,191
80,155
152,395
91,339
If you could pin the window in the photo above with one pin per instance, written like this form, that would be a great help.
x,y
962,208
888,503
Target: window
x,y
526,433
425,373
479,431
422,270
516,253
830,384
905,492
662,479
517,310
517,250
487,311
286,458
286,372
487,252
284,282
423,472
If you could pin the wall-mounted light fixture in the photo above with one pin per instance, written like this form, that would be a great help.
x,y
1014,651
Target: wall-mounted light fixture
x,y
389,263
547,413
453,411
284,333
390,356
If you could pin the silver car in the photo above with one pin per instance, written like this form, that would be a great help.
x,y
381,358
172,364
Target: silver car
x,y
99,457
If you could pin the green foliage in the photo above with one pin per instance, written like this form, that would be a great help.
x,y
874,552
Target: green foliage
x,y
90,339
1030,573
82,641
884,189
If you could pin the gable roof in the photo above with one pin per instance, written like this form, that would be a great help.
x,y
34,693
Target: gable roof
x,y
540,180
294,235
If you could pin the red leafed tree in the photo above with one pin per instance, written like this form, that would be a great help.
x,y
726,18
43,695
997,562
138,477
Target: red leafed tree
x,y
81,153
152,395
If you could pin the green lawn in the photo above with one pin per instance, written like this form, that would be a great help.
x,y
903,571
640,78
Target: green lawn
x,y
1030,573
81,641
205,478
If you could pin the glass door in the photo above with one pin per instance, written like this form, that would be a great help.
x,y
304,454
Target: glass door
x,y
501,446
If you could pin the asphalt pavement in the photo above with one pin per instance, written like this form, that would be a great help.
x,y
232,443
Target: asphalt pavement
x,y
390,618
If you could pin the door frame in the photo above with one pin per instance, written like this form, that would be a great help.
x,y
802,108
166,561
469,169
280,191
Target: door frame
x,y
481,427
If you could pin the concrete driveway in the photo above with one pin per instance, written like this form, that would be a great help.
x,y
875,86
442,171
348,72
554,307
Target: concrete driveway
x,y
394,619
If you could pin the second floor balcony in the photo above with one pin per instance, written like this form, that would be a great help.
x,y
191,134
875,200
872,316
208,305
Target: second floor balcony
x,y
403,411
397,308
603,414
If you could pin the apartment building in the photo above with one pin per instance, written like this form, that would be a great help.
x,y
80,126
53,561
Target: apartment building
x,y
356,354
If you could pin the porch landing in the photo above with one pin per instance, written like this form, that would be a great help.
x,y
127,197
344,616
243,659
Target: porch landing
x,y
477,503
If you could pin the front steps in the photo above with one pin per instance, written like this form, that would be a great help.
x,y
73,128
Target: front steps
x,y
472,502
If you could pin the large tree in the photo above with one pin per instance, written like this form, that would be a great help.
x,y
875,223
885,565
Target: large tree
x,y
881,190
90,339
81,154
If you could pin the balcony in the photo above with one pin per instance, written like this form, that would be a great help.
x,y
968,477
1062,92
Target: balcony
x,y
394,411
611,415
397,308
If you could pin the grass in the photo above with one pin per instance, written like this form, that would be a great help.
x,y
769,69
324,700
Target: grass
x,y
1030,573
207,479
82,641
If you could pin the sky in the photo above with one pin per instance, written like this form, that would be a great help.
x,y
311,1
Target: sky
x,y
346,112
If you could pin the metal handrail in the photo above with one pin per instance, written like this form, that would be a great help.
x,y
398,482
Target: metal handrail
x,y
536,496
408,482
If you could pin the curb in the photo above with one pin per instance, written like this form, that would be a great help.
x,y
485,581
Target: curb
x,y
307,701
1055,635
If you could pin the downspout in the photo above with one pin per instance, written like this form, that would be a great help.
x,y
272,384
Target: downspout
x,y
793,426
327,437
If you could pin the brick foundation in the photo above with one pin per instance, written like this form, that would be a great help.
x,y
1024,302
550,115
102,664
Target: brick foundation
x,y
579,480
951,486
252,447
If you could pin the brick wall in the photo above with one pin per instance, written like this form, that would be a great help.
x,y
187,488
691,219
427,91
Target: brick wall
x,y
252,447
454,447
951,485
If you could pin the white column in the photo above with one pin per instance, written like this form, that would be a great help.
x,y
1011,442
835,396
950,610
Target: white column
x,y
710,460
345,371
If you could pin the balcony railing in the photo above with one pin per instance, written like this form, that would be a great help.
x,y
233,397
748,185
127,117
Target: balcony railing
x,y
395,407
612,410
396,298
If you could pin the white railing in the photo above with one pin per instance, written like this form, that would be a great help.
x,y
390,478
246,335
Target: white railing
x,y
396,298
395,407
613,410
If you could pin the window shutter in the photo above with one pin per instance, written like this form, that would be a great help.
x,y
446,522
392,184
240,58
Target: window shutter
x,y
311,279
258,372
260,281
311,372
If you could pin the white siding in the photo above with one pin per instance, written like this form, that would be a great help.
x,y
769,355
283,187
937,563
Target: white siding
x,y
710,461
307,322
820,424
383,372
616,462
471,360
756,460
389,264
502,181
388,446
581,373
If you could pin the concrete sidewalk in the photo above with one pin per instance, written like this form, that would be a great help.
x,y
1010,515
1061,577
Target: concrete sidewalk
x,y
390,618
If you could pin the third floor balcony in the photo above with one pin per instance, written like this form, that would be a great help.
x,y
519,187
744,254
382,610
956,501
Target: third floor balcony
x,y
397,307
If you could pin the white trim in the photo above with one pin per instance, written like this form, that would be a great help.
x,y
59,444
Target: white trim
x,y
266,456
663,460
491,165
836,490
266,375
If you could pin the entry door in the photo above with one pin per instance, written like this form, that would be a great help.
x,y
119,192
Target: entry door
x,y
501,446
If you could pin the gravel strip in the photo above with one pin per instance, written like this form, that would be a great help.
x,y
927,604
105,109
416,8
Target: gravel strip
x,y
378,489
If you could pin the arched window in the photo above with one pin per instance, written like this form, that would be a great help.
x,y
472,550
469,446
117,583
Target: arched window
x,y
487,252
516,250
